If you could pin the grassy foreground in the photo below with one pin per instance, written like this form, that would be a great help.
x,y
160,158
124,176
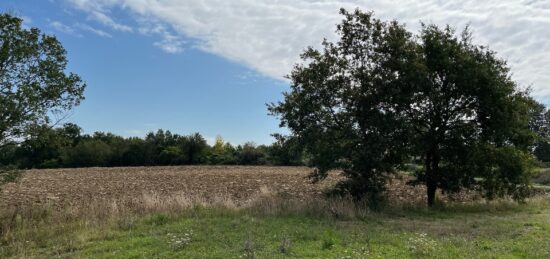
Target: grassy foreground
x,y
483,230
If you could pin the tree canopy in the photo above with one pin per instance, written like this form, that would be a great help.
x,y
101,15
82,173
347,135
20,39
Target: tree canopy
x,y
33,81
381,97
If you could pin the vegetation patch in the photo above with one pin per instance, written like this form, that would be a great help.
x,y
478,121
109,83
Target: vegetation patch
x,y
500,229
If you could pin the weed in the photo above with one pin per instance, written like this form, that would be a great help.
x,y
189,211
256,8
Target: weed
x,y
249,250
157,220
286,246
328,241
421,245
180,241
126,223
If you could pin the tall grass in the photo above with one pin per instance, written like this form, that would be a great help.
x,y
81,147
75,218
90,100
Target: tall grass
x,y
266,203
21,227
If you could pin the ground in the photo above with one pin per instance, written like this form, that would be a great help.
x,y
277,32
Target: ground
x,y
62,188
251,212
239,184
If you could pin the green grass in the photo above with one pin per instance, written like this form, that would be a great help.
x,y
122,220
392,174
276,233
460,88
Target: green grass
x,y
496,230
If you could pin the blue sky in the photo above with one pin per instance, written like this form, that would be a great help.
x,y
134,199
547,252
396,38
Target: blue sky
x,y
134,87
210,66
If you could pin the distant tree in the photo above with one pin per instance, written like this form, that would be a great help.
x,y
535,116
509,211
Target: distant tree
x,y
33,81
42,149
117,144
542,151
222,153
45,146
89,153
284,151
160,141
171,155
66,146
219,145
540,124
71,132
194,149
138,153
8,154
250,154
380,96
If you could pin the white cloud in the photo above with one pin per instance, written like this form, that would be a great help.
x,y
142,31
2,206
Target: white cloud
x,y
108,21
170,45
77,28
98,10
59,26
268,36
94,30
170,42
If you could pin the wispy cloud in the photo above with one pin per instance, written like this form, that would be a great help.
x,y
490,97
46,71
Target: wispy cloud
x,y
170,45
169,42
98,10
108,21
93,30
268,36
59,26
77,28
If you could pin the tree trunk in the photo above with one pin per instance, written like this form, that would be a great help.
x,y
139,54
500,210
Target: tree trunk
x,y
431,188
432,171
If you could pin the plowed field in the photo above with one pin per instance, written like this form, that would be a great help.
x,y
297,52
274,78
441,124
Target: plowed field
x,y
62,187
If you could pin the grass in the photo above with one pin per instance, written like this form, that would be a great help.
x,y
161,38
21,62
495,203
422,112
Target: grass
x,y
274,228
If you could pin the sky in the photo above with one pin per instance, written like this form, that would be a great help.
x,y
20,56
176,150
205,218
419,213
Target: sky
x,y
210,66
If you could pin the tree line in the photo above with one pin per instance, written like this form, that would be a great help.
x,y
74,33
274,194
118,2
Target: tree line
x,y
66,146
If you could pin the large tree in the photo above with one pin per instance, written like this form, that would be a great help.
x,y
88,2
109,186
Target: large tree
x,y
381,97
468,120
33,82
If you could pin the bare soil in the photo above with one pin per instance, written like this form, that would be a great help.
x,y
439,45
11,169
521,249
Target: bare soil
x,y
63,188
